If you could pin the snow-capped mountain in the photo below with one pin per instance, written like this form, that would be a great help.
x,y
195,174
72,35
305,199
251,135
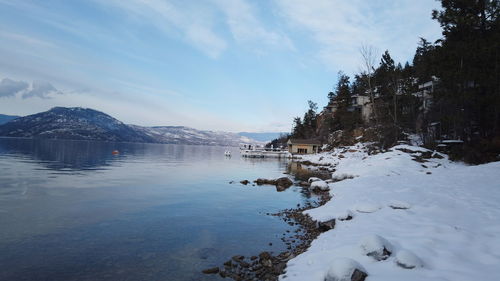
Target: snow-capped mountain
x,y
186,135
87,124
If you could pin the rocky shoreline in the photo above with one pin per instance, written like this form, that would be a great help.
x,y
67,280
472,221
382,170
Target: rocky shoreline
x,y
268,265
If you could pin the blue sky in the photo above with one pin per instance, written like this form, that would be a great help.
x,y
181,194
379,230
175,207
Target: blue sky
x,y
231,65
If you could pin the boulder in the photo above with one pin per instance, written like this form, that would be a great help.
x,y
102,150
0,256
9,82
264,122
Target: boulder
x,y
284,182
280,183
326,225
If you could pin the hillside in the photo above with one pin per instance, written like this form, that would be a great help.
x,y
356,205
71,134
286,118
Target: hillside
x,y
186,135
72,123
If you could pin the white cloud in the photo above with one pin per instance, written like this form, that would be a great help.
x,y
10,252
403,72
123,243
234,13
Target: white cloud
x,y
341,27
41,89
196,27
246,28
10,87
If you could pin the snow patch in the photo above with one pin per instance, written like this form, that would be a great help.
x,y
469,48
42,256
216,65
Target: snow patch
x,y
367,207
342,269
408,260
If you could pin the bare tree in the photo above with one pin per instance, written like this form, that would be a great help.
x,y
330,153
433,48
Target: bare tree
x,y
368,69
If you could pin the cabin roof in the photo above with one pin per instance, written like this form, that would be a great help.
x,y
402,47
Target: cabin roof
x,y
304,141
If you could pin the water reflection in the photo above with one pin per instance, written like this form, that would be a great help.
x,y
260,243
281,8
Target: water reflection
x,y
73,211
303,173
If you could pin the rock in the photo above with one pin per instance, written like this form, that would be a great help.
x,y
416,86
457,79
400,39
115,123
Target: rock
x,y
237,258
278,268
281,183
267,263
212,270
280,188
376,247
327,225
264,181
304,184
264,256
345,216
408,260
284,181
319,185
341,156
358,275
344,269
245,182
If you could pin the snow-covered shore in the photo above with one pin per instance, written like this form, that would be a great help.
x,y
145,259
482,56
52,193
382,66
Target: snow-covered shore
x,y
438,216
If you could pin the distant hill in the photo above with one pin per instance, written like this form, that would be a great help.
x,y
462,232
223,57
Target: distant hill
x,y
186,135
87,124
263,137
72,123
6,118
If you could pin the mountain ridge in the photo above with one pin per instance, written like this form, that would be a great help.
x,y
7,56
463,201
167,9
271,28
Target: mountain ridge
x,y
78,123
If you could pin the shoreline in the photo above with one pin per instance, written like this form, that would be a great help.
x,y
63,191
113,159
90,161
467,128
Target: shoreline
x,y
268,265
389,206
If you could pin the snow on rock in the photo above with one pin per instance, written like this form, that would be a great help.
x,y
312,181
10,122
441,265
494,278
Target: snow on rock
x,y
345,269
319,185
344,215
376,247
367,207
313,179
396,204
341,177
408,260
452,224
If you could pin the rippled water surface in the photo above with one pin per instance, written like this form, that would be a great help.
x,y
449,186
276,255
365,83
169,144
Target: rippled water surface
x,y
70,210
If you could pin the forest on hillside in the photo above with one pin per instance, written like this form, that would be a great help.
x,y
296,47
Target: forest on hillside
x,y
450,91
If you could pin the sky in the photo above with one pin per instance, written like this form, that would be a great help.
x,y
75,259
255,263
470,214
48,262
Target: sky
x,y
226,65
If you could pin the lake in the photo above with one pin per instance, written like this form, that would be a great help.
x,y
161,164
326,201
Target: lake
x,y
71,210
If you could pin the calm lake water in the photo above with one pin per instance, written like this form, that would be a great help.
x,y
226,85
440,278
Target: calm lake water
x,y
70,210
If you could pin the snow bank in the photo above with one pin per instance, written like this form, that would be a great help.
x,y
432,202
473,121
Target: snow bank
x,y
444,225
